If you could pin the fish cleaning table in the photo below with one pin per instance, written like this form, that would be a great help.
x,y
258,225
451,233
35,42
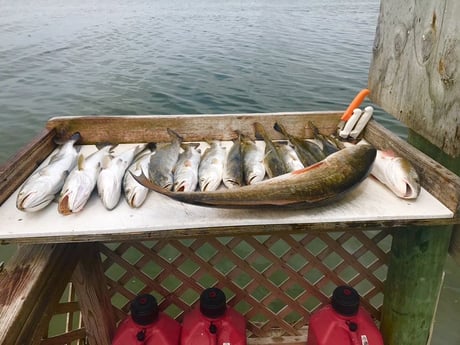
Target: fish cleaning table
x,y
369,205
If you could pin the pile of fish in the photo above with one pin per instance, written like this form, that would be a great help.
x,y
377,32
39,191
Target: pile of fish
x,y
247,172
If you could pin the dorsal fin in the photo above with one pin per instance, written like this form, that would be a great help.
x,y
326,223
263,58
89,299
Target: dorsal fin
x,y
81,162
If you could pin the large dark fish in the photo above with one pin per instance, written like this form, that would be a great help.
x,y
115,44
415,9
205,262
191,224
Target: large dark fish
x,y
308,152
321,183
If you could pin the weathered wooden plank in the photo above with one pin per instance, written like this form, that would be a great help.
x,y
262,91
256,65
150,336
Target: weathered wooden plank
x,y
453,164
90,287
21,165
96,307
138,129
414,73
65,338
32,283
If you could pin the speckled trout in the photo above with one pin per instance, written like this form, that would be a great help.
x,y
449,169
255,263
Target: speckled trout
x,y
318,184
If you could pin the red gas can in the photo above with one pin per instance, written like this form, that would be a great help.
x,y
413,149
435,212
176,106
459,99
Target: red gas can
x,y
343,322
213,322
146,325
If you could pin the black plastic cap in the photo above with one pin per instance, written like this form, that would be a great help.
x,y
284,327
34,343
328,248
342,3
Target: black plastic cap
x,y
213,303
345,300
144,309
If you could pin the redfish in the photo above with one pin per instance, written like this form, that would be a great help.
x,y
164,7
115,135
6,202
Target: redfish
x,y
323,182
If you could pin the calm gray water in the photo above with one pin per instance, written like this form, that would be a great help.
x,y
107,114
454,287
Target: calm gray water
x,y
72,57
177,57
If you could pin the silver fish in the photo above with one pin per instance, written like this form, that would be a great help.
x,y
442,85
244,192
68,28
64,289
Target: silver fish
x,y
110,178
274,164
327,144
186,169
135,193
397,173
289,156
321,183
81,181
253,161
43,185
163,161
211,167
233,170
308,152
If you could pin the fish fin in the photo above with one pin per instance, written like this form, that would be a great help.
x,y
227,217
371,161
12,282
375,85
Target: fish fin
x,y
139,149
313,128
259,131
62,140
174,134
152,146
280,128
106,160
81,162
103,145
144,181
311,167
187,145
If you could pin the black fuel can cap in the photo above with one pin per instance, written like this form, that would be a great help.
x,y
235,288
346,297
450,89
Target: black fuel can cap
x,y
345,300
213,303
144,309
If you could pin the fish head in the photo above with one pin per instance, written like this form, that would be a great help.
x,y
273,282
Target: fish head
x,y
75,194
136,195
161,179
405,179
210,181
109,188
256,174
231,183
34,199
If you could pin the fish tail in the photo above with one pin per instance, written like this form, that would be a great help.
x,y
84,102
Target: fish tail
x,y
152,146
175,135
259,131
280,129
314,129
75,137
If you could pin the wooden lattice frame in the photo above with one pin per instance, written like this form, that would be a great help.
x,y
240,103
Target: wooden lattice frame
x,y
275,281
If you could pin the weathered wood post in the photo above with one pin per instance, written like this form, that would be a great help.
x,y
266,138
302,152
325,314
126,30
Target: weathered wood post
x,y
414,76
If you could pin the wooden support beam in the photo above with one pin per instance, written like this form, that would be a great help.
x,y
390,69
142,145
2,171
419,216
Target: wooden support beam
x,y
415,270
31,284
91,289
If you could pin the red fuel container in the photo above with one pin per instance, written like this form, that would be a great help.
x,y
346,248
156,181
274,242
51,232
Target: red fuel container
x,y
213,322
146,325
343,322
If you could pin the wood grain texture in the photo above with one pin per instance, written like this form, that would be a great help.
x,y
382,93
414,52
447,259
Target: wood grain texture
x,y
32,283
89,281
138,129
414,74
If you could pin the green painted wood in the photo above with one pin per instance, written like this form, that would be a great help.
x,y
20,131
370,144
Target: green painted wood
x,y
411,290
453,164
417,258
